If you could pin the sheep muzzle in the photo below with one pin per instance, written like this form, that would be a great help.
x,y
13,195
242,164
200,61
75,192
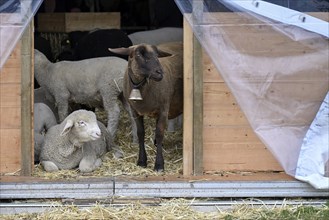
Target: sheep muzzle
x,y
157,75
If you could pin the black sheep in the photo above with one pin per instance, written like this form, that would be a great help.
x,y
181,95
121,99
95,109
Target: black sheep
x,y
96,44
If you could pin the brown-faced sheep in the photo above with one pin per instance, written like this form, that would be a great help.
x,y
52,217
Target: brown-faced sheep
x,y
157,72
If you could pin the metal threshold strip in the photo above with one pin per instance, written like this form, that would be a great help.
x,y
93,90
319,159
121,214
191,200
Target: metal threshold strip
x,y
104,189
198,205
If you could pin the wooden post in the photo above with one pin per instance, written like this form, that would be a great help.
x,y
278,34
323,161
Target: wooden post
x,y
197,108
188,101
27,102
193,102
197,91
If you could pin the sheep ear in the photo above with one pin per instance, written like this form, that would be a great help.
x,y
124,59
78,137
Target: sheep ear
x,y
121,51
162,53
67,128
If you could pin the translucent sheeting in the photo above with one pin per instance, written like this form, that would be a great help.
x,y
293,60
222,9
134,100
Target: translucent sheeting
x,y
15,15
278,72
313,159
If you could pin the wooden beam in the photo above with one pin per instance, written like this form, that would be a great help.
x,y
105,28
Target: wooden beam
x,y
197,108
188,101
197,17
27,102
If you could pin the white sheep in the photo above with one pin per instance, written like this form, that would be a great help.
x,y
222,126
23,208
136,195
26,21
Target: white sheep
x,y
157,36
96,82
40,96
80,140
44,119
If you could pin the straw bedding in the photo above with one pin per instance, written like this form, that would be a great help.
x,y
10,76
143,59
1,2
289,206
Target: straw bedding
x,y
171,209
176,209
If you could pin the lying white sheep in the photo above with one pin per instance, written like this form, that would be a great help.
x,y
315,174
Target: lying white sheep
x,y
80,140
44,119
95,82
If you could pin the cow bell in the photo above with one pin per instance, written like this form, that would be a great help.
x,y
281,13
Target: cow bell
x,y
135,95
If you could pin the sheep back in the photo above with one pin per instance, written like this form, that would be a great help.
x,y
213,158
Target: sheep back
x,y
81,81
157,36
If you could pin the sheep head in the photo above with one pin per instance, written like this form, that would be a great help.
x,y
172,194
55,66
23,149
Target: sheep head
x,y
82,126
143,61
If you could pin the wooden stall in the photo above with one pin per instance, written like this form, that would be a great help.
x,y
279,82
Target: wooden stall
x,y
16,106
217,139
217,135
16,83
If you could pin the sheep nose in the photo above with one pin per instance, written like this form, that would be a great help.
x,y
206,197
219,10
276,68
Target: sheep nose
x,y
99,134
157,75
158,71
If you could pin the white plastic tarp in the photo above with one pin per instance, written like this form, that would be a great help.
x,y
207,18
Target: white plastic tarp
x,y
313,163
275,61
15,15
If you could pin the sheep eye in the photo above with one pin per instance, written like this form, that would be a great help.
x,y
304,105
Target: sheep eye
x,y
81,123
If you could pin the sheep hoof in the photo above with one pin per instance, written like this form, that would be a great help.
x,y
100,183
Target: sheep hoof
x,y
98,163
49,166
118,154
159,168
142,164
135,140
87,166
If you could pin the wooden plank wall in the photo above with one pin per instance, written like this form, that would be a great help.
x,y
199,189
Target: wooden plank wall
x,y
229,143
10,113
16,108
78,21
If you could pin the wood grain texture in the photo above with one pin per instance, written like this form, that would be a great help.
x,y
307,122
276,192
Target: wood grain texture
x,y
10,112
230,144
67,22
27,102
188,101
10,147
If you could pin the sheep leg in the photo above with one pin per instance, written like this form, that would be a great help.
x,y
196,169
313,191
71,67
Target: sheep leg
x,y
171,125
112,108
63,106
49,166
132,121
89,164
113,115
142,157
159,134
